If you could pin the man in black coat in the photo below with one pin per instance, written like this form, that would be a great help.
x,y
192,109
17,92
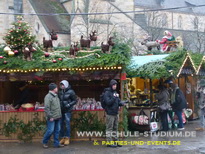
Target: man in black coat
x,y
112,101
68,100
178,103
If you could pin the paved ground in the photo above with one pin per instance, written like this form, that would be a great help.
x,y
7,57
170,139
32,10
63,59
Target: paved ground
x,y
189,145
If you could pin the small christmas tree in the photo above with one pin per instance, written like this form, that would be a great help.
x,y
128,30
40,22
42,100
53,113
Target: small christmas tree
x,y
19,35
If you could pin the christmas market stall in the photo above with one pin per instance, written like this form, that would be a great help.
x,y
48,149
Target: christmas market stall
x,y
155,70
144,75
186,79
24,64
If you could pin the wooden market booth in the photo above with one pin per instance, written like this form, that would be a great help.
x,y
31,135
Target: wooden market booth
x,y
186,79
150,76
87,84
143,88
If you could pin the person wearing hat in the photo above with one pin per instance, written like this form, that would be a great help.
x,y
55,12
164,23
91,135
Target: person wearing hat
x,y
201,104
68,100
53,116
112,101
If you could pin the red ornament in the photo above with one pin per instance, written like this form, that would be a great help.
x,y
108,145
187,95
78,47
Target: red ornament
x,y
60,59
5,62
1,57
54,61
47,54
16,51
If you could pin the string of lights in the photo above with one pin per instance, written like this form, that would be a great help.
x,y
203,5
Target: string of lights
x,y
62,69
102,13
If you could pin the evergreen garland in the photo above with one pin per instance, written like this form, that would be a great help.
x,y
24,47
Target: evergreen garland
x,y
120,56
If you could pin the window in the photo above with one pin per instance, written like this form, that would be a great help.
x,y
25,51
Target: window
x,y
37,27
196,23
164,20
180,22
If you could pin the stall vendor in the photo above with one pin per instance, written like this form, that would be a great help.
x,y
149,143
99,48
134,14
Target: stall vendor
x,y
23,97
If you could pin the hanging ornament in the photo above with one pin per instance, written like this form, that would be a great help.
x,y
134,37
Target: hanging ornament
x,y
60,59
7,49
10,53
1,57
16,52
54,61
47,54
5,62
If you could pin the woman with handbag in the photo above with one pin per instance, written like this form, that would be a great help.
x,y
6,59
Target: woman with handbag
x,y
164,106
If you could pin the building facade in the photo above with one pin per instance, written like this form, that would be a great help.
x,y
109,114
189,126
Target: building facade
x,y
131,20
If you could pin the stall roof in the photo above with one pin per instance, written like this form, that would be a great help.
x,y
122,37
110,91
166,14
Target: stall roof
x,y
157,66
137,61
200,70
187,70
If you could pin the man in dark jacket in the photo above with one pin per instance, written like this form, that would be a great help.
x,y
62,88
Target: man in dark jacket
x,y
112,101
68,100
178,103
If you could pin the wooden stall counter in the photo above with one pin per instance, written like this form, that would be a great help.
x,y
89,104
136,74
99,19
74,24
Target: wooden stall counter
x,y
27,116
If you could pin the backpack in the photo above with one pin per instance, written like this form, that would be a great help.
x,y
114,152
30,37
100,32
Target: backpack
x,y
102,101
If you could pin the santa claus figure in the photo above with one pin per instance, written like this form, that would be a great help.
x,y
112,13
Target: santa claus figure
x,y
167,37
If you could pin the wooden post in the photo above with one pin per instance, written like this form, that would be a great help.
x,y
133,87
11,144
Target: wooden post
x,y
151,92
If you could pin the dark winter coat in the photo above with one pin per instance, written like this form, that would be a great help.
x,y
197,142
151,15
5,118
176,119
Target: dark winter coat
x,y
180,101
67,99
112,102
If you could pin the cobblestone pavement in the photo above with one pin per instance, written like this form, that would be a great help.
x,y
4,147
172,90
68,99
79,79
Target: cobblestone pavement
x,y
188,145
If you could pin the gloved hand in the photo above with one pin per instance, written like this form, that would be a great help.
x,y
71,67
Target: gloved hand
x,y
67,106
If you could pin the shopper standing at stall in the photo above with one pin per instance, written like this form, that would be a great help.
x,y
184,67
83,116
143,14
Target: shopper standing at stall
x,y
201,103
68,100
178,103
53,116
112,101
164,106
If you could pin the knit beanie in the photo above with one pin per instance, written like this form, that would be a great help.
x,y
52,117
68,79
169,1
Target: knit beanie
x,y
52,86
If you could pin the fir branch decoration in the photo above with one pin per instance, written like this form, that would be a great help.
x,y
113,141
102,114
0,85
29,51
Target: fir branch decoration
x,y
120,56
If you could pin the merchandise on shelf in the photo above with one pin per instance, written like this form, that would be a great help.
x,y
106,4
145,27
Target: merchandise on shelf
x,y
87,104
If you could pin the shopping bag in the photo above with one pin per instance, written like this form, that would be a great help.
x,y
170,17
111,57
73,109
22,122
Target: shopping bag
x,y
143,118
154,125
135,118
176,120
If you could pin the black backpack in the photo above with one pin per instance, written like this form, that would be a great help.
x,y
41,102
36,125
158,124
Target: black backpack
x,y
102,100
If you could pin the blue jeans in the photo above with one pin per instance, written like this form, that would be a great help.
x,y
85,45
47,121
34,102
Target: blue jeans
x,y
179,115
65,121
53,127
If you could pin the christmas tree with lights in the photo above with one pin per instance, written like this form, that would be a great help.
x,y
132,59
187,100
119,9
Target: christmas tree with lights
x,y
19,36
